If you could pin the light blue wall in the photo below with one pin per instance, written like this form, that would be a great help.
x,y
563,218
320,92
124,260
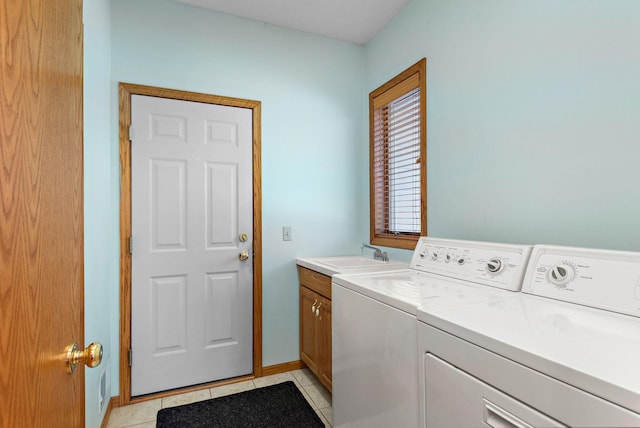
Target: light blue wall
x,y
311,92
100,208
532,127
533,116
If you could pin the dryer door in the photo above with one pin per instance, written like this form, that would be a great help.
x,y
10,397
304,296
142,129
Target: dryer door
x,y
455,399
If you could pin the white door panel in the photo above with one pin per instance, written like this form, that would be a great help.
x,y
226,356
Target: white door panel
x,y
169,205
169,306
192,309
221,200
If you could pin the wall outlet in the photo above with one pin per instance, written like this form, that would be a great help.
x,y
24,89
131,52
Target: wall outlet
x,y
286,233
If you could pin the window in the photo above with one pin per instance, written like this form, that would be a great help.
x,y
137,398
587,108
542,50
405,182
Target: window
x,y
397,153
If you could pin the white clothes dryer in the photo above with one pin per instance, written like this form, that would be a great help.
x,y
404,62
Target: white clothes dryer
x,y
565,352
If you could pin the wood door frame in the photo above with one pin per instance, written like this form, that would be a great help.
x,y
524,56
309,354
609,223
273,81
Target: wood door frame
x,y
125,91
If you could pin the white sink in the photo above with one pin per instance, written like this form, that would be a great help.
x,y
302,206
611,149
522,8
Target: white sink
x,y
348,264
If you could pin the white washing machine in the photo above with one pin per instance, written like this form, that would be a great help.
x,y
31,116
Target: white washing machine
x,y
374,324
565,352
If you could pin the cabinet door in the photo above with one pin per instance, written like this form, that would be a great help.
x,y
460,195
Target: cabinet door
x,y
309,329
325,343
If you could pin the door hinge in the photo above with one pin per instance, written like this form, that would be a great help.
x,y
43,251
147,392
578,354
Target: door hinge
x,y
130,357
130,244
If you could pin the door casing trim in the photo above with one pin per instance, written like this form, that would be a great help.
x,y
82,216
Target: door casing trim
x,y
125,91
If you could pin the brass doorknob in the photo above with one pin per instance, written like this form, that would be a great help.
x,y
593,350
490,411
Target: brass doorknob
x,y
243,255
91,356
243,237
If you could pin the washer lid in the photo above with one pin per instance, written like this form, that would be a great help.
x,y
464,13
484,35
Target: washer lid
x,y
594,350
409,289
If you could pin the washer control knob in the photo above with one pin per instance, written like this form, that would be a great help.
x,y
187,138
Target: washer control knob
x,y
447,258
561,274
462,261
434,256
494,265
424,251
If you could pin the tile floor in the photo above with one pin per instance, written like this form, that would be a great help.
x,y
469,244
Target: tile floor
x,y
143,415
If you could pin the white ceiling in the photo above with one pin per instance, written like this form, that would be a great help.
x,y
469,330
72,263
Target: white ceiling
x,y
353,21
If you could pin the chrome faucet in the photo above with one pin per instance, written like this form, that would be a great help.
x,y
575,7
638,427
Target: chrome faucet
x,y
378,253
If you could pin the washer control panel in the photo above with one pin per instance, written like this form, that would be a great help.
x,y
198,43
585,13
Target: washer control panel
x,y
603,279
487,263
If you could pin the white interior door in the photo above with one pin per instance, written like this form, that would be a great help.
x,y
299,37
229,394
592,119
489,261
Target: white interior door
x,y
191,191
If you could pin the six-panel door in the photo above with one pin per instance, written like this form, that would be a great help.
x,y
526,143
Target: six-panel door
x,y
192,313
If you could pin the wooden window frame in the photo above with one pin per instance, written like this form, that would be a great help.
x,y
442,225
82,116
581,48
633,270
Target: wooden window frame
x,y
398,86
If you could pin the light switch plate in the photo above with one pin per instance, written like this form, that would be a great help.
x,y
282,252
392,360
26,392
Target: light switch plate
x,y
286,233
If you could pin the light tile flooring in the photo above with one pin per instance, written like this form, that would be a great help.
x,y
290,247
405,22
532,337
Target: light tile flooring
x,y
143,415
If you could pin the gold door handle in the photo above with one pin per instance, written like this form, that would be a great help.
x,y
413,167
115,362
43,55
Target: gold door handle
x,y
243,255
243,237
91,356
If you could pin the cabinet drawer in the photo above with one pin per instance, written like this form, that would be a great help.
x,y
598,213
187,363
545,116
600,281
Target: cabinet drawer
x,y
315,281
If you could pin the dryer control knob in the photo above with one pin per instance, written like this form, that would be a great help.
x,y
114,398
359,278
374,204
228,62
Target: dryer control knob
x,y
561,274
494,265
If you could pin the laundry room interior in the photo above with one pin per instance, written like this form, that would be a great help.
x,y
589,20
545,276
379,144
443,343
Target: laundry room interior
x,y
532,134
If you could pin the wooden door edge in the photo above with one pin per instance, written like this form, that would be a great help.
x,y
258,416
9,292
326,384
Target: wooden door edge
x,y
125,91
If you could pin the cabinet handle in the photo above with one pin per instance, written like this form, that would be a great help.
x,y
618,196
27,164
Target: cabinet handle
x,y
318,309
313,307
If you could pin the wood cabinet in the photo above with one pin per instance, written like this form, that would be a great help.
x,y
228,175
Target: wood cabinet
x,y
315,323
